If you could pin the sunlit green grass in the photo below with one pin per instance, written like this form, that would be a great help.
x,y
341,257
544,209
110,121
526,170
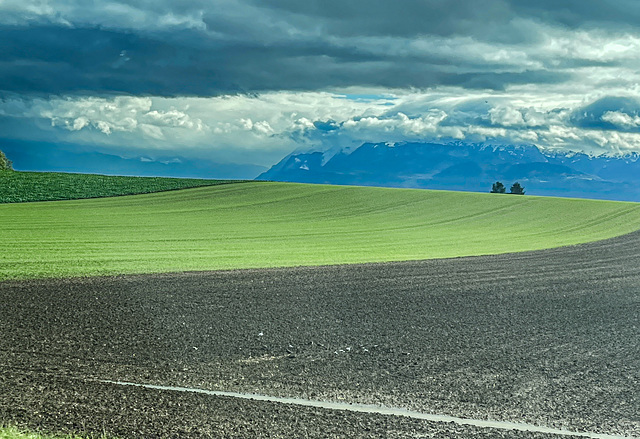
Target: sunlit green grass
x,y
16,187
264,224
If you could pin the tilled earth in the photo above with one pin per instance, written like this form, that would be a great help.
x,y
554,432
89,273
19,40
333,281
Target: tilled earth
x,y
550,338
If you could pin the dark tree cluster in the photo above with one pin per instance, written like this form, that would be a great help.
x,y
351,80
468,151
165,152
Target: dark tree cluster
x,y
5,163
499,188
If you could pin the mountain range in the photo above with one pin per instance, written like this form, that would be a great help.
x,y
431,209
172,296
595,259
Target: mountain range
x,y
467,167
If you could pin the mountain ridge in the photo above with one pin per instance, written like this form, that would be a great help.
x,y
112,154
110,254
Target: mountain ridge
x,y
466,167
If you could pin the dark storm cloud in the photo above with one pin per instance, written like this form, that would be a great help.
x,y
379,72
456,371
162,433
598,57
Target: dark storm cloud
x,y
62,60
209,48
405,18
582,13
58,60
266,45
451,17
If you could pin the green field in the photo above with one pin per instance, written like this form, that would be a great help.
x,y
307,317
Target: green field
x,y
261,224
16,187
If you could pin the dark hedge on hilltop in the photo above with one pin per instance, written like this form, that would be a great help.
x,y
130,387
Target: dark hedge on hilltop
x,y
16,187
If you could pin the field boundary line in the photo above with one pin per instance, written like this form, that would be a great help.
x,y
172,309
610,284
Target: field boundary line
x,y
375,409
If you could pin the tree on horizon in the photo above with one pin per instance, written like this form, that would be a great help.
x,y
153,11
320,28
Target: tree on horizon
x,y
5,163
516,189
498,188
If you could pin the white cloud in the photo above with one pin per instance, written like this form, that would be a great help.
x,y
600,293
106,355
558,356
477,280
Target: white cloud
x,y
260,128
103,126
398,126
264,128
152,131
247,124
621,119
124,115
506,116
175,119
595,45
79,123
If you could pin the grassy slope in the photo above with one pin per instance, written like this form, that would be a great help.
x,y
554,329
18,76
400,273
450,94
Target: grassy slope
x,y
278,224
45,186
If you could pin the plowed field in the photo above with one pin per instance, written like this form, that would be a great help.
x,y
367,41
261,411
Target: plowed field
x,y
549,338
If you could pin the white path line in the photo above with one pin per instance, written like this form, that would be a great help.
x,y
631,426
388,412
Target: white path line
x,y
364,408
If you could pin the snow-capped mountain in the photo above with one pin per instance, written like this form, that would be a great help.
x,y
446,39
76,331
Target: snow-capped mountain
x,y
468,167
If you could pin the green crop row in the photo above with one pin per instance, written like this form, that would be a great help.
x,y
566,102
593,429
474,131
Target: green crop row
x,y
16,187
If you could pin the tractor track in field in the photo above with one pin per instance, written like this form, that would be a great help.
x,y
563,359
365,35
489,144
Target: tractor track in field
x,y
548,338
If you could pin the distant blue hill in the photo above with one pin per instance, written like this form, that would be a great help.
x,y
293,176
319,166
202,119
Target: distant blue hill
x,y
59,157
467,167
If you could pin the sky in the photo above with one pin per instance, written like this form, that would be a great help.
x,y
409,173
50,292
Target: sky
x,y
236,85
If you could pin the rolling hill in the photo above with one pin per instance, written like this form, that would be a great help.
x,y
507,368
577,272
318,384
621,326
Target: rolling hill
x,y
261,224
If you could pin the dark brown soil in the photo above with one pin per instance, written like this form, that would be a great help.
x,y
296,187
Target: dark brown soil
x,y
548,338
